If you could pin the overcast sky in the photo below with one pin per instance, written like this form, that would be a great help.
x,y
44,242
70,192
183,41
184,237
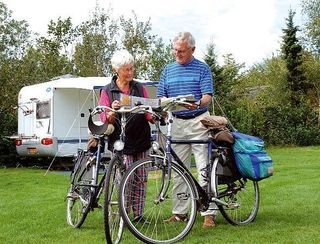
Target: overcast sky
x,y
249,29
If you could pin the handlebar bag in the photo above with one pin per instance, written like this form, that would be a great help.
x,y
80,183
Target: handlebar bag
x,y
251,158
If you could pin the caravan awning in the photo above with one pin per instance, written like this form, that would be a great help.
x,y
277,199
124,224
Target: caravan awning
x,y
43,90
87,83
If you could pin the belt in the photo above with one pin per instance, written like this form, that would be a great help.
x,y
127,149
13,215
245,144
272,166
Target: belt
x,y
191,116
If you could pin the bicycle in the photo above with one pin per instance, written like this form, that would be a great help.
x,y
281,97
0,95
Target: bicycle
x,y
86,186
113,223
236,197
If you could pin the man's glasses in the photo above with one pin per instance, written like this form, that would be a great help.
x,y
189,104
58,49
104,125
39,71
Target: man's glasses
x,y
180,51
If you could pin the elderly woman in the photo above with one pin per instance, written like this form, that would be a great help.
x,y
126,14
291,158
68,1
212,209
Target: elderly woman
x,y
137,141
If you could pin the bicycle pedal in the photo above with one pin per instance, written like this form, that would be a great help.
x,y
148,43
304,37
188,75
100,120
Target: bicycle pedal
x,y
233,205
72,195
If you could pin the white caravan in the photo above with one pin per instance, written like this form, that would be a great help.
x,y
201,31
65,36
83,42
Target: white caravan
x,y
53,116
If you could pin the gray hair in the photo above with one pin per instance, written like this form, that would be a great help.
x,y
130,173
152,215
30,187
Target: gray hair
x,y
121,58
184,37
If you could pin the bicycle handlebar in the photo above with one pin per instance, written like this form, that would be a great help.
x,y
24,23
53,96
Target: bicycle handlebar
x,y
165,105
122,110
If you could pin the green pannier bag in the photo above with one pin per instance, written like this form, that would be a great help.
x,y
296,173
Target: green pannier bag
x,y
251,158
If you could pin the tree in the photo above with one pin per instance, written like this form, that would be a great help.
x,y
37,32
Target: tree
x,y
160,55
225,77
292,54
259,89
211,59
149,51
52,50
14,35
97,42
311,66
311,8
14,38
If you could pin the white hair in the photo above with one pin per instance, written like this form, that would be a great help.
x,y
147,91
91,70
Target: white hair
x,y
121,58
184,37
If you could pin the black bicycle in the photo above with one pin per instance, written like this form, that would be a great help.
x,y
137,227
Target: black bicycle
x,y
236,197
113,223
87,179
94,176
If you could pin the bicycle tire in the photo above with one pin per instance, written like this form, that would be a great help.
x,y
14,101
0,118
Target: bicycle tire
x,y
241,195
113,223
80,195
151,228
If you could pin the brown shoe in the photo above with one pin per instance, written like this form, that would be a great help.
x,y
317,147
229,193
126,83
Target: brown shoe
x,y
177,218
208,221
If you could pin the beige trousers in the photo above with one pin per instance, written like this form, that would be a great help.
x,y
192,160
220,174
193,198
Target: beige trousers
x,y
191,129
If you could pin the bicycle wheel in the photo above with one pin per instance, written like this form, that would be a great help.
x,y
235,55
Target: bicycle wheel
x,y
241,196
146,186
79,195
113,223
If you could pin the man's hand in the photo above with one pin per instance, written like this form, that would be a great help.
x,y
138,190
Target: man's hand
x,y
191,106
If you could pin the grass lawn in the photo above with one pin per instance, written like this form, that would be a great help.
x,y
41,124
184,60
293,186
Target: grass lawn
x,y
33,207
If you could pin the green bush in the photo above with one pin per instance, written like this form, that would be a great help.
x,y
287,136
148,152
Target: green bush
x,y
286,125
307,136
278,126
7,147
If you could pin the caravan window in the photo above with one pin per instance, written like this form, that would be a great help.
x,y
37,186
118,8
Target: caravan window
x,y
43,110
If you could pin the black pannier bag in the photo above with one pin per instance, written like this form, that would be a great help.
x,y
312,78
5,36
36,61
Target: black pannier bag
x,y
221,135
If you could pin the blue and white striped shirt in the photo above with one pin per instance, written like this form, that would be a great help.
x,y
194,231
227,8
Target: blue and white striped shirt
x,y
193,78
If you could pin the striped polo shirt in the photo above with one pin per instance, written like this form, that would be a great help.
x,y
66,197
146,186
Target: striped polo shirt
x,y
193,78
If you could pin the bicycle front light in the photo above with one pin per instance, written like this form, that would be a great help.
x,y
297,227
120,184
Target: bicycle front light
x,y
118,145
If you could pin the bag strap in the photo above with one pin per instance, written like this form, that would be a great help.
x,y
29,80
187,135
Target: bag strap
x,y
214,100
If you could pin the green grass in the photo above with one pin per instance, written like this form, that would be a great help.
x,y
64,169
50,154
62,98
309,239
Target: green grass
x,y
33,207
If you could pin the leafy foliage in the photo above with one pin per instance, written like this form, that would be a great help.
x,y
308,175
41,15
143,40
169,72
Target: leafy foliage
x,y
98,39
311,9
14,38
14,35
292,53
225,77
150,53
277,99
291,125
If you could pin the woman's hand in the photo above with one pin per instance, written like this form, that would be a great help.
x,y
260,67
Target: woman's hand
x,y
112,115
116,104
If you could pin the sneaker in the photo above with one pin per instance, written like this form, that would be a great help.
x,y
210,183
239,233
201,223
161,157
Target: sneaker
x,y
208,221
177,218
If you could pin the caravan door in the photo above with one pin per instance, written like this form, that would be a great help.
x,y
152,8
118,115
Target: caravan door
x,y
34,128
26,117
87,100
